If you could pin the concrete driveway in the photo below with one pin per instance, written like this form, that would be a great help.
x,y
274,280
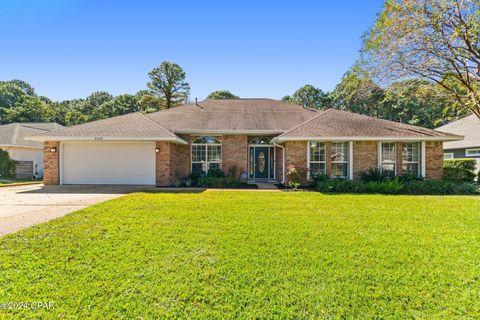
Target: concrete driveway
x,y
23,206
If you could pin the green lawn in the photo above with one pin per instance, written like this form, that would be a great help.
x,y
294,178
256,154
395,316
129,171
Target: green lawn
x,y
251,255
14,182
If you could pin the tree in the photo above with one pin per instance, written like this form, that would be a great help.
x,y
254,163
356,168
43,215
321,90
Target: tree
x,y
419,102
358,93
30,109
94,102
168,81
309,97
437,40
221,95
122,104
149,102
19,103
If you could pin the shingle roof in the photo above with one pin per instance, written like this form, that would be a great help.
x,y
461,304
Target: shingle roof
x,y
247,116
128,126
229,115
469,127
14,134
334,123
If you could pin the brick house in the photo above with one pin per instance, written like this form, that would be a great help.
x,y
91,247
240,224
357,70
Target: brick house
x,y
256,138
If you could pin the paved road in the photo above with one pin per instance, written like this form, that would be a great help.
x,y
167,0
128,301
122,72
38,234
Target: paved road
x,y
23,206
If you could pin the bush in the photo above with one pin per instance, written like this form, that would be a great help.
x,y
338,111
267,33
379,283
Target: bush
x,y
373,174
397,186
217,182
7,165
459,170
296,176
440,187
215,173
393,186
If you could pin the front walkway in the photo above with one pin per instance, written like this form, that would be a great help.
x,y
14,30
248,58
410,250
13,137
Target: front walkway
x,y
24,206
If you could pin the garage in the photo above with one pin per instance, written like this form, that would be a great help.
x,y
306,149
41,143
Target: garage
x,y
120,163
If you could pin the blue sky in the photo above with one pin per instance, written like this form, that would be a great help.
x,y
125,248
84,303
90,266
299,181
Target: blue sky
x,y
69,48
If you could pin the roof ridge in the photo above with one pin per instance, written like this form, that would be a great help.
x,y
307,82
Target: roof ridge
x,y
307,121
158,125
15,133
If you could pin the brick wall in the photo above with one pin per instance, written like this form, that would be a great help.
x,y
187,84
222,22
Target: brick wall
x,y
51,163
279,164
433,160
296,154
164,165
235,153
364,157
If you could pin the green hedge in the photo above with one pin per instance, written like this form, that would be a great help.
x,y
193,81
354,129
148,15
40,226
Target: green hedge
x,y
7,165
397,186
459,170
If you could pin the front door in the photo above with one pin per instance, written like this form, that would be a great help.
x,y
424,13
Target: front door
x,y
262,162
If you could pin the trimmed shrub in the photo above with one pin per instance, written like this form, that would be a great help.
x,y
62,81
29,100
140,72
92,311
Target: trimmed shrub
x,y
459,170
440,187
397,186
7,165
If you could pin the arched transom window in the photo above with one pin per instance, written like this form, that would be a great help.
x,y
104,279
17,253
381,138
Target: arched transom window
x,y
260,141
206,154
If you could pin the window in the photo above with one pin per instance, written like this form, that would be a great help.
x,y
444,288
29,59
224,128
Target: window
x,y
206,154
411,158
473,152
388,159
316,159
339,155
260,140
448,156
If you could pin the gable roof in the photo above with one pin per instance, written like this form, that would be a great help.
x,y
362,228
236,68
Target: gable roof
x,y
132,126
469,127
14,134
333,124
237,115
244,116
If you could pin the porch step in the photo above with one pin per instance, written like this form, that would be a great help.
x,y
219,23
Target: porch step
x,y
266,185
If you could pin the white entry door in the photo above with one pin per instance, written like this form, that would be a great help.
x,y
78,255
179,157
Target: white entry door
x,y
124,163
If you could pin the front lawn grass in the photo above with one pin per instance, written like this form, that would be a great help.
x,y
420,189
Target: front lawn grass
x,y
7,182
224,254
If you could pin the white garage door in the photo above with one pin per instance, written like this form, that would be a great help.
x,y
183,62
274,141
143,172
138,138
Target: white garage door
x,y
108,163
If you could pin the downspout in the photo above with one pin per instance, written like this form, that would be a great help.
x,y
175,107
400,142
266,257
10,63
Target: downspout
x,y
283,161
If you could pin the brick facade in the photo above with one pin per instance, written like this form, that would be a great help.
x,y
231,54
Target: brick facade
x,y
173,161
364,157
51,163
433,160
235,154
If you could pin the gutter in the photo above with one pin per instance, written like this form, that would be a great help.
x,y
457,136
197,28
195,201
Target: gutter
x,y
363,138
283,161
99,139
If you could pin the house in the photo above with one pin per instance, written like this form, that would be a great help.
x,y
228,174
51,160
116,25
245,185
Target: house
x,y
469,127
257,137
28,153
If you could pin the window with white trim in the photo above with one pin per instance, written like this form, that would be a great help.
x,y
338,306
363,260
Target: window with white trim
x,y
473,152
339,159
448,156
388,158
411,158
317,163
206,154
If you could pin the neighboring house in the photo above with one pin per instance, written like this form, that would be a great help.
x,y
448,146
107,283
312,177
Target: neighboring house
x,y
12,140
257,137
469,127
